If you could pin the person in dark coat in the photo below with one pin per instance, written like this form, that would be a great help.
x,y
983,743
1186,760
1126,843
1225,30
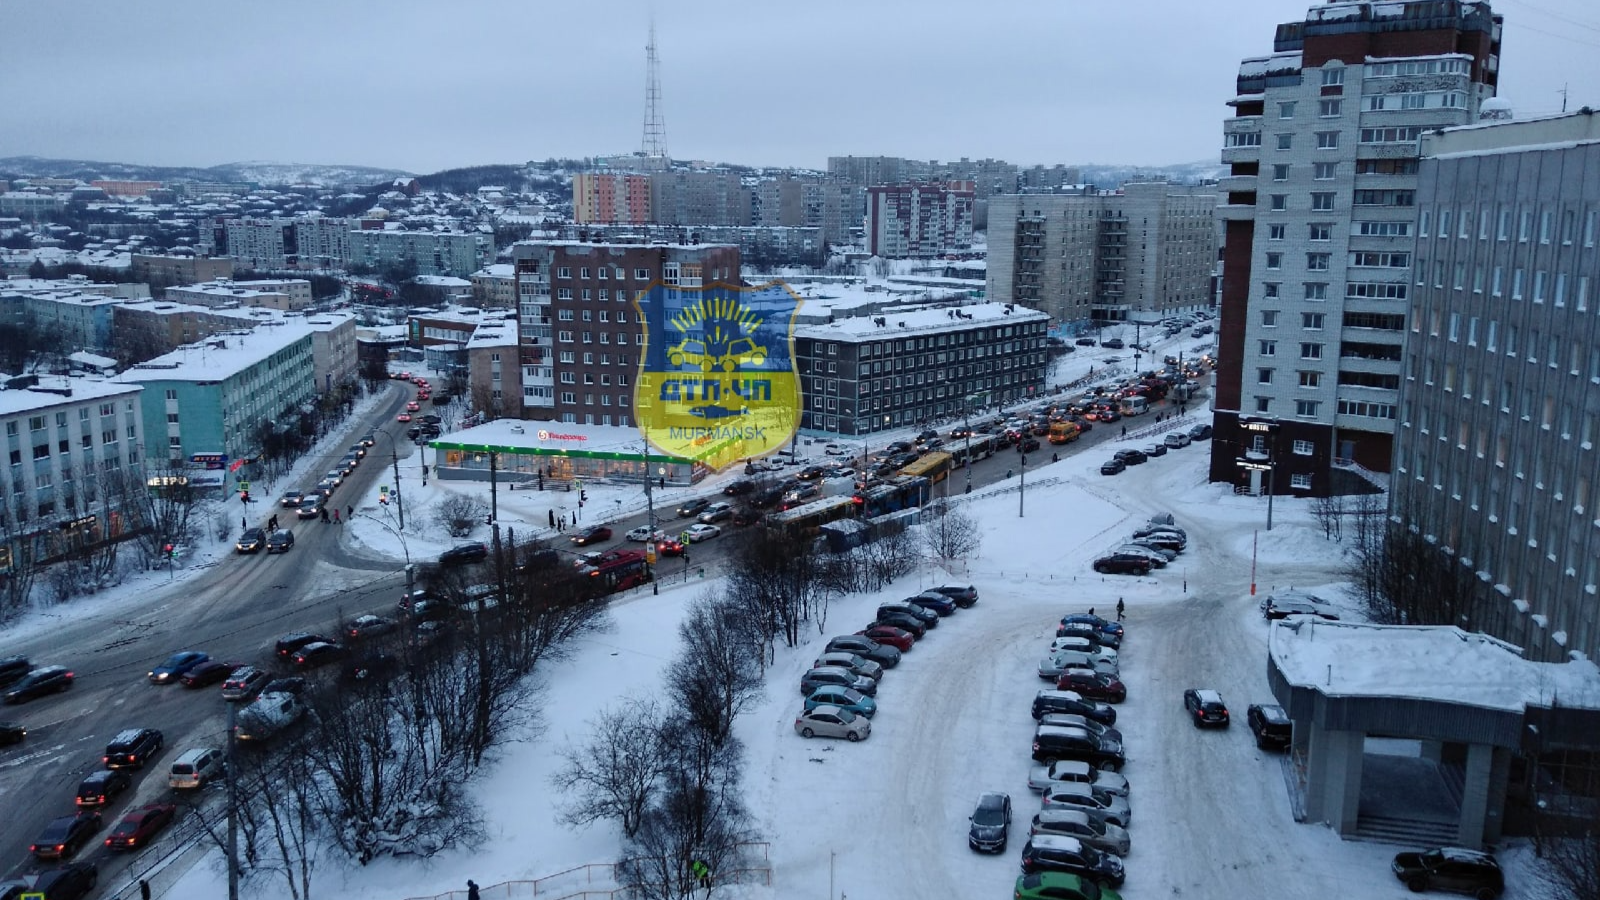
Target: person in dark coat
x,y
472,889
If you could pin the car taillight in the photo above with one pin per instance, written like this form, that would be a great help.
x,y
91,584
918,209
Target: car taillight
x,y
133,757
1036,746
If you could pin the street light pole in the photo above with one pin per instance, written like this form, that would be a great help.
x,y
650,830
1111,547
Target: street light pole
x,y
1022,484
233,806
652,547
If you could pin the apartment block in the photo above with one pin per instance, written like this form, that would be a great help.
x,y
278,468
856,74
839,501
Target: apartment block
x,y
262,243
580,338
1319,213
1138,254
279,294
610,198
1499,413
324,241
920,219
791,201
181,269
495,285
694,197
454,253
865,374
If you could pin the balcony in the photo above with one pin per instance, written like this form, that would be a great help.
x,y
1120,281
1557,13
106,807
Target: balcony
x,y
1242,125
1231,155
1229,184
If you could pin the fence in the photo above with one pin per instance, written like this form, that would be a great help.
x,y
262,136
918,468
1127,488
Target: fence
x,y
550,886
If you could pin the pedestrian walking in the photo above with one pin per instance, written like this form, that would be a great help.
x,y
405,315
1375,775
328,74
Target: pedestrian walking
x,y
472,890
1091,610
349,512
144,889
702,874
336,519
244,523
1124,431
272,523
324,515
1121,610
552,516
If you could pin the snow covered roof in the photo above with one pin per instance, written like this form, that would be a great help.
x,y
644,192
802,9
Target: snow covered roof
x,y
550,437
1426,662
498,270
442,281
222,355
925,321
53,390
494,334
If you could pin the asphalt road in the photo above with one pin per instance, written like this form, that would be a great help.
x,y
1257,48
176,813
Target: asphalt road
x,y
234,612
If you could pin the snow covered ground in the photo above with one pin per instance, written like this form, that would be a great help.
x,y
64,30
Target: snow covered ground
x,y
1211,818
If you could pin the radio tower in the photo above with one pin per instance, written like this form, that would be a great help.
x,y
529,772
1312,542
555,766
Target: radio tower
x,y
655,131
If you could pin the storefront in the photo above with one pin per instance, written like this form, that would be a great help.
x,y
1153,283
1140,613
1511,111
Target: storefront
x,y
518,451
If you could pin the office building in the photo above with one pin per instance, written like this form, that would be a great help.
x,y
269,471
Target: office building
x,y
1494,459
1139,254
866,374
580,338
434,252
610,198
1319,215
919,220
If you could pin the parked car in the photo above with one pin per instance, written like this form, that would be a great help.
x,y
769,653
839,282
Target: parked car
x,y
1131,457
1075,720
140,824
13,668
692,508
1156,558
1123,564
1200,433
1165,540
270,714
857,664
289,643
66,835
319,653
1058,853
1084,825
41,681
838,677
363,628
844,698
12,733
1082,796
73,881
461,554
1074,703
593,534
1076,771
131,748
927,617
1090,633
903,621
1080,644
1092,685
989,826
1052,666
1154,450
206,674
251,541
831,721
893,635
699,532
193,768
176,665
882,654
1055,742
1271,725
1451,869
1113,466
1102,626
1205,708
1142,545
965,596
940,604
101,788
739,488
1177,440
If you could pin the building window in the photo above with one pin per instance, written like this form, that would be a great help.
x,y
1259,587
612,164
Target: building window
x,y
1310,379
1310,351
1274,260
1324,171
1270,289
1263,404
1327,140
1317,262
1285,142
641,274
1300,481
1286,110
1322,201
1316,290
1280,172
1264,376
1269,318
1312,321
1328,109
1280,202
1306,408
564,315
1331,77
563,293
1304,448
1321,231
1276,232
1269,348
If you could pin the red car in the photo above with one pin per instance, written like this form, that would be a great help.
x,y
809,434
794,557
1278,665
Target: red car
x,y
669,547
403,417
1092,685
141,824
898,638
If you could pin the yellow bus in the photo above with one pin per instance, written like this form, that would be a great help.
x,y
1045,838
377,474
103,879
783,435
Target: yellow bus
x,y
1064,432
933,466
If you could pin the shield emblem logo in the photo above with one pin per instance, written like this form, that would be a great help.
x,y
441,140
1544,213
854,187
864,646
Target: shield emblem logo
x,y
717,381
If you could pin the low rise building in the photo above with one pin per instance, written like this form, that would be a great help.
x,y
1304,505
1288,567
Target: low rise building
x,y
180,269
494,374
284,295
495,286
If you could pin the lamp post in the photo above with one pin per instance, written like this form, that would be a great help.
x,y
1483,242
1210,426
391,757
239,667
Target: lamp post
x,y
651,547
1022,484
1258,461
394,454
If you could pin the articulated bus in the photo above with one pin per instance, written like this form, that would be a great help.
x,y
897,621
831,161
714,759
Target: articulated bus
x,y
933,466
893,495
982,448
804,520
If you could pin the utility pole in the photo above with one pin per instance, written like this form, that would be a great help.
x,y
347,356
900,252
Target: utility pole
x,y
966,424
494,494
399,504
651,547
233,807
1022,484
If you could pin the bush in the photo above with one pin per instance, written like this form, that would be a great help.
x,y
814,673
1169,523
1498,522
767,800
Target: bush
x,y
459,515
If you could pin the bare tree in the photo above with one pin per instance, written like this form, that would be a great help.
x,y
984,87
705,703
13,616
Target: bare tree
x,y
891,554
1329,513
620,770
717,672
952,534
459,514
775,584
165,508
1569,850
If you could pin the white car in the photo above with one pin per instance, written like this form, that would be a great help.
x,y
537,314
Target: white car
x,y
716,512
643,535
702,532
832,721
336,476
1083,645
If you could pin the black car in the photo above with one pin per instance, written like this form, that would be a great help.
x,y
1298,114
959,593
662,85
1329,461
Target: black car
x,y
1075,704
12,668
693,508
1084,342
990,823
1113,467
739,488
101,788
252,540
1131,457
294,685
1122,564
318,654
1200,433
899,447
964,595
882,654
65,836
133,747
1205,708
280,541
768,496
902,621
1053,742
939,603
12,733
289,643
461,554
928,618
73,881
1113,343
1451,869
1271,726
593,535
41,681
291,499
1059,853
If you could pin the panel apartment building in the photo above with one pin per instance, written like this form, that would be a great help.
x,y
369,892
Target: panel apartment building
x,y
1139,254
1495,460
610,198
580,338
919,220
865,374
1319,214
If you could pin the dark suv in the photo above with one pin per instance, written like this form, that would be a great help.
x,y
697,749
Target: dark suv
x,y
1073,703
132,748
1451,869
1123,564
1270,725
289,643
12,668
1206,708
41,681
1053,742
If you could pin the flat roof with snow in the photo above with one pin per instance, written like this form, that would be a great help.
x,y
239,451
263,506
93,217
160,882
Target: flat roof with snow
x,y
52,391
552,438
222,355
925,321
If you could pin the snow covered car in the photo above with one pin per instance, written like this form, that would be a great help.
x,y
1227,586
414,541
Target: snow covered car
x,y
1076,771
268,715
1057,663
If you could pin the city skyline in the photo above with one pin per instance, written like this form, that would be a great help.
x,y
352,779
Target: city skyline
x,y
186,87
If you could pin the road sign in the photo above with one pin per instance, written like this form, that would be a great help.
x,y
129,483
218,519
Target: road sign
x,y
1254,465
684,538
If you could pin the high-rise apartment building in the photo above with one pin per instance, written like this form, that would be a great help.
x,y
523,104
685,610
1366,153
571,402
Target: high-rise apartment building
x,y
262,243
610,198
1138,254
810,202
455,253
579,333
919,220
692,197
1495,461
1319,215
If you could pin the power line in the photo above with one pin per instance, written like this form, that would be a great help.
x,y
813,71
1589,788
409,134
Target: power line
x,y
1557,16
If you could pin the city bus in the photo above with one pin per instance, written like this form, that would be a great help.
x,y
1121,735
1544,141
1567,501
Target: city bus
x,y
1064,432
803,521
982,447
620,570
933,466
892,496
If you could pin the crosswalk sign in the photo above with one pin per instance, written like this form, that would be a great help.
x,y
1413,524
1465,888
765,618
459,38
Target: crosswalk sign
x,y
684,538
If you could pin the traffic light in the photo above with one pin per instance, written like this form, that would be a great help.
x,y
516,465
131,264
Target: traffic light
x,y
169,551
244,496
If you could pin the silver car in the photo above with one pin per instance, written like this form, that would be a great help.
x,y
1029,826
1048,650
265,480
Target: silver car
x,y
1053,665
1096,833
1072,720
1084,796
832,721
1076,771
1083,645
839,677
866,668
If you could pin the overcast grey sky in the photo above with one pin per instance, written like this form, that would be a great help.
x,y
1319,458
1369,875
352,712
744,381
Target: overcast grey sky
x,y
420,85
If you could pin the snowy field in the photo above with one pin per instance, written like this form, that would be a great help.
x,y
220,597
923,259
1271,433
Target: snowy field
x,y
1211,818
